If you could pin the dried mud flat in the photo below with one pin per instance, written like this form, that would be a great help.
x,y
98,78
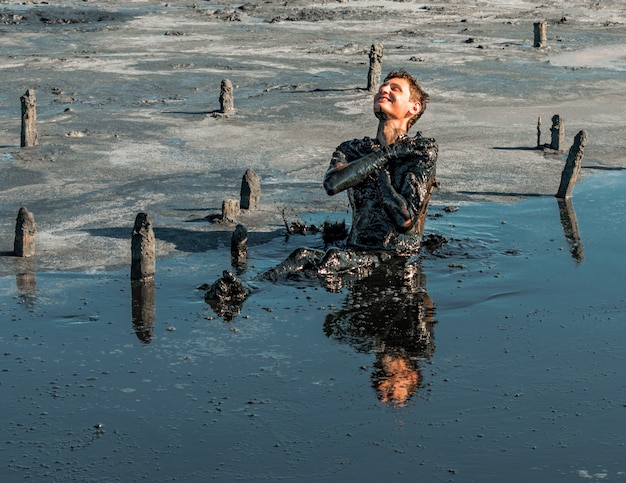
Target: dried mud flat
x,y
126,93
513,330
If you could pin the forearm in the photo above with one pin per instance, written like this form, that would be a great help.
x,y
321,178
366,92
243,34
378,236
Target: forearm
x,y
340,177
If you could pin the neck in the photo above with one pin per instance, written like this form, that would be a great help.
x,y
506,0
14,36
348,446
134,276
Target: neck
x,y
388,133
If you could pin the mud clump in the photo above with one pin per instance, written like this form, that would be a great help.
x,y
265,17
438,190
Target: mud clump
x,y
226,295
433,241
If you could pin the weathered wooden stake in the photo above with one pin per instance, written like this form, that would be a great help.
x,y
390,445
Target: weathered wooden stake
x,y
239,246
24,245
143,249
569,175
539,132
376,60
250,191
540,34
558,133
29,119
227,102
230,210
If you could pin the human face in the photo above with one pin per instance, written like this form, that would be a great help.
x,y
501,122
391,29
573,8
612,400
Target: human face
x,y
392,101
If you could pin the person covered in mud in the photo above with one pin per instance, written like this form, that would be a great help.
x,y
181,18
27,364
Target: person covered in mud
x,y
389,180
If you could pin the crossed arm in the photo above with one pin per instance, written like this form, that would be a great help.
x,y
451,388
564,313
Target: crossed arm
x,y
343,175
398,204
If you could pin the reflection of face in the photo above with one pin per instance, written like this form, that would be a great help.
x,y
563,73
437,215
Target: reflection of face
x,y
392,100
399,380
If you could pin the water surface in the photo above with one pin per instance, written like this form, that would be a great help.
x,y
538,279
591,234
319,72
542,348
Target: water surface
x,y
516,354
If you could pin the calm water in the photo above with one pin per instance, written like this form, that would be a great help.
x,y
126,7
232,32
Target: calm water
x,y
506,362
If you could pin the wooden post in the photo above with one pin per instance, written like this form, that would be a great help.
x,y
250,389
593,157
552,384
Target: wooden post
x,y
540,34
539,132
239,247
250,191
376,59
29,119
558,133
24,245
230,210
569,175
227,103
143,249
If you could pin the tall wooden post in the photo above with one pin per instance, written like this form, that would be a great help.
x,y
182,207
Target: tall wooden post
x,y
250,191
569,175
539,132
558,133
24,245
227,102
376,61
143,249
540,34
29,135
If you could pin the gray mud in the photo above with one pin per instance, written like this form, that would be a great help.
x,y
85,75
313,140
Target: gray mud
x,y
127,91
509,343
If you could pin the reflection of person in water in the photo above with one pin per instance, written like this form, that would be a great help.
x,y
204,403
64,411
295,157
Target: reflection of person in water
x,y
389,180
390,314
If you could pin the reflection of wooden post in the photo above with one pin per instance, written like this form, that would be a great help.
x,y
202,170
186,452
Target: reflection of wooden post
x,y
29,119
540,34
250,191
24,245
143,249
227,102
569,175
570,227
26,282
376,67
143,308
239,246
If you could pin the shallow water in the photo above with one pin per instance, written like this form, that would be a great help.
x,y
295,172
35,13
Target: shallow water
x,y
520,377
